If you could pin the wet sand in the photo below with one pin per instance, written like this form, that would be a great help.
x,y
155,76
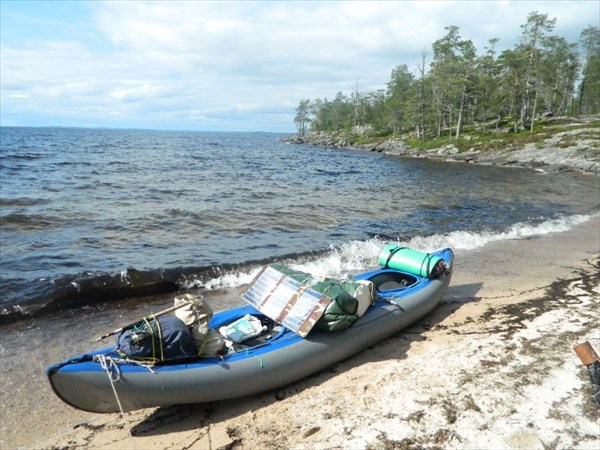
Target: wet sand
x,y
492,367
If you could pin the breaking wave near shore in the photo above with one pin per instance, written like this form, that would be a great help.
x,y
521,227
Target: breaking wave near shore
x,y
355,256
338,261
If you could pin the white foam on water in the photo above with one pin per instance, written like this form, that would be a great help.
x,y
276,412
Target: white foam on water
x,y
354,256
464,240
234,279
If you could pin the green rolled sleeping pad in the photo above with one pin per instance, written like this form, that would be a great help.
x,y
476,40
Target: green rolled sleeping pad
x,y
411,261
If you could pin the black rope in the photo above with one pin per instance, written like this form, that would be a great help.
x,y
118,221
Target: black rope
x,y
427,258
391,255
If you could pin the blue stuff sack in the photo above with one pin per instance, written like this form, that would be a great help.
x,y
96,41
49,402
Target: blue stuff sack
x,y
156,340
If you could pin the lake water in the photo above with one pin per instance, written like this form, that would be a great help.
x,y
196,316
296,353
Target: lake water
x,y
89,215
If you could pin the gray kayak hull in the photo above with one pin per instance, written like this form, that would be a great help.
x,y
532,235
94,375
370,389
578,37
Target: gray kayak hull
x,y
84,383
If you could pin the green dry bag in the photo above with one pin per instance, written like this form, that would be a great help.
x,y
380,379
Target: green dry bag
x,y
411,261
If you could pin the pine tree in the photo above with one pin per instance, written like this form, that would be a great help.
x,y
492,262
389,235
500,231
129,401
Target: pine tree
x,y
589,90
534,32
302,117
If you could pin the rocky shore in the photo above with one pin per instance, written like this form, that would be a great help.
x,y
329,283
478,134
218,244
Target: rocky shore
x,y
573,145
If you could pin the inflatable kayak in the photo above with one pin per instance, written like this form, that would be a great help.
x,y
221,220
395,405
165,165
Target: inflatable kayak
x,y
103,381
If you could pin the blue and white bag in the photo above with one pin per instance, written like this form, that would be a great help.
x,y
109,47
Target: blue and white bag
x,y
245,328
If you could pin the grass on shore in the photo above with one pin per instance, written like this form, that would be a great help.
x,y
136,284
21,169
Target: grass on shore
x,y
488,137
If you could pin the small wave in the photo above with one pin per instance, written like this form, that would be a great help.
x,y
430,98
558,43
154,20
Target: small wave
x,y
463,240
22,201
29,222
72,163
355,256
336,173
22,157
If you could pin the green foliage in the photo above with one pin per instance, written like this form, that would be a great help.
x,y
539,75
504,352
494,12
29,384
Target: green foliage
x,y
589,90
482,137
461,91
302,117
429,144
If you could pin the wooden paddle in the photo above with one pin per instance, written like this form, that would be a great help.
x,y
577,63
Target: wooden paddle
x,y
133,324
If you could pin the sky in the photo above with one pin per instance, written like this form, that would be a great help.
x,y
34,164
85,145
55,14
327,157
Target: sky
x,y
226,65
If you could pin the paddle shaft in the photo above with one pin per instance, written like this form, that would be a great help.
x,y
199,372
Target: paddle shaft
x,y
133,324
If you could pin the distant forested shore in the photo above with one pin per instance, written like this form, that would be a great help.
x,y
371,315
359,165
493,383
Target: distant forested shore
x,y
457,93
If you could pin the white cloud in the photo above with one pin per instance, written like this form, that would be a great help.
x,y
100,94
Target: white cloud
x,y
233,65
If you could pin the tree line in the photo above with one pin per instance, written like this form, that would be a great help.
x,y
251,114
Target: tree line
x,y
542,74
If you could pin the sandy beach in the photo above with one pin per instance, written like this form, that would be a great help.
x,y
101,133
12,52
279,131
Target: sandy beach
x,y
492,367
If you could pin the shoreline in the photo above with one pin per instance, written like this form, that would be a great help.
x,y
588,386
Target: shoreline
x,y
491,367
564,150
